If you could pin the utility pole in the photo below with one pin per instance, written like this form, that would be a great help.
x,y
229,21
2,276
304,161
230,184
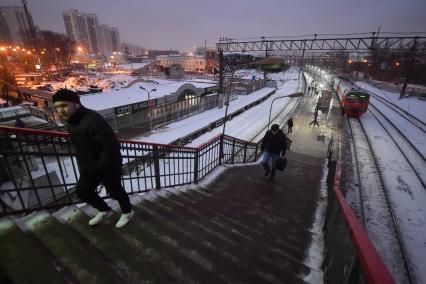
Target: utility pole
x,y
221,71
303,55
411,58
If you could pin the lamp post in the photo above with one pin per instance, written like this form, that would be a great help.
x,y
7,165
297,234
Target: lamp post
x,y
294,95
227,101
149,105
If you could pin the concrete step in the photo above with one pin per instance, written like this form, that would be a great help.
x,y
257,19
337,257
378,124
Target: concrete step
x,y
79,260
248,228
118,255
250,257
22,261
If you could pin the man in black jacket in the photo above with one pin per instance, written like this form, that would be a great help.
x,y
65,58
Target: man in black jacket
x,y
98,156
274,143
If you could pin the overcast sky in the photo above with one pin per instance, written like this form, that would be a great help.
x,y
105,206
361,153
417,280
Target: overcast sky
x,y
182,24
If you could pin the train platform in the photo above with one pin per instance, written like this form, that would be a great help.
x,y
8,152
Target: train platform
x,y
240,227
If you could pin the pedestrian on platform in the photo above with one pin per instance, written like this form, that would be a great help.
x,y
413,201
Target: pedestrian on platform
x,y
98,156
290,125
273,144
315,121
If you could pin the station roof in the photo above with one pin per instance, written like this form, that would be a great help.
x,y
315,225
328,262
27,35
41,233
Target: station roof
x,y
134,94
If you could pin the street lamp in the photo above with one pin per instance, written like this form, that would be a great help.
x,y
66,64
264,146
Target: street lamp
x,y
294,95
149,104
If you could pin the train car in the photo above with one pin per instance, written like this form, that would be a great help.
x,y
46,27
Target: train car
x,y
273,64
353,100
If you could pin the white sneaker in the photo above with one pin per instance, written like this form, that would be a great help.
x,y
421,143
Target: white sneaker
x,y
124,219
98,218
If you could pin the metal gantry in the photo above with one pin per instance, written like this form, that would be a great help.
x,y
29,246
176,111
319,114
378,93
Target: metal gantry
x,y
413,46
396,43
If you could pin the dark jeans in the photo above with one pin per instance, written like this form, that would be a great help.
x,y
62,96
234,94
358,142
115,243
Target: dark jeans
x,y
86,191
270,156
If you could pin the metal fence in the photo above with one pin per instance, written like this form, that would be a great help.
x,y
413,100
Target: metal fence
x,y
38,169
350,256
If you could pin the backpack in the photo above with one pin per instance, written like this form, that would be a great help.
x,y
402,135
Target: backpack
x,y
281,164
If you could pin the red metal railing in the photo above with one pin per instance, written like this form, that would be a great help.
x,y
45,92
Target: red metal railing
x,y
350,255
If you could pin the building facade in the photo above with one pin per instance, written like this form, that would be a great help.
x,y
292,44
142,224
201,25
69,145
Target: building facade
x,y
109,39
77,28
132,49
92,36
14,25
191,64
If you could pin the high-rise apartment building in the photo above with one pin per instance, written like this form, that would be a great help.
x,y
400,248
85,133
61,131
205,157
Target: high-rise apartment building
x,y
86,30
14,25
77,28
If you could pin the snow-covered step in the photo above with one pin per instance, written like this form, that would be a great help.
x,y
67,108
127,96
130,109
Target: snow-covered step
x,y
21,261
126,259
80,261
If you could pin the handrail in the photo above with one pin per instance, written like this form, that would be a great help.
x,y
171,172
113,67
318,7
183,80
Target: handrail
x,y
41,170
66,135
373,267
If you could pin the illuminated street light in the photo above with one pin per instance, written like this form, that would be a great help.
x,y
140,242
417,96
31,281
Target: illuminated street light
x,y
149,105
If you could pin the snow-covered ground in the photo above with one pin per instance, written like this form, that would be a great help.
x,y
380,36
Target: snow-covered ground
x,y
411,104
243,126
132,66
405,190
105,81
407,194
133,94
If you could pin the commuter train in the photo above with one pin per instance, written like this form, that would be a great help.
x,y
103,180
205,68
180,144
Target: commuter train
x,y
273,64
353,99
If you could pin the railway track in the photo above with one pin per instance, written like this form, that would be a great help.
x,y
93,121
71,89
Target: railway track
x,y
376,209
413,156
401,112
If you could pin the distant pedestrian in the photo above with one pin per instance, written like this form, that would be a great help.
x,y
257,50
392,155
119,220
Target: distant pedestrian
x,y
19,123
315,121
274,143
98,156
290,125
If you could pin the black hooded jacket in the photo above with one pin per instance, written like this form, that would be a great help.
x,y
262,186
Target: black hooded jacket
x,y
96,145
274,143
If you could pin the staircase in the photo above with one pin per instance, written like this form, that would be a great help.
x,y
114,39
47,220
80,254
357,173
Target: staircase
x,y
222,233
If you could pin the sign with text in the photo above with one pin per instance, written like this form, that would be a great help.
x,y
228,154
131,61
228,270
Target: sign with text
x,y
135,107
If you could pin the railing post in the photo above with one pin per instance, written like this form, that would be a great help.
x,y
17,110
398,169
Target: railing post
x,y
196,166
245,152
255,151
233,151
221,154
156,167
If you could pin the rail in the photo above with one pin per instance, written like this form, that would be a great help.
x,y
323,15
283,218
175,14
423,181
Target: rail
x,y
38,169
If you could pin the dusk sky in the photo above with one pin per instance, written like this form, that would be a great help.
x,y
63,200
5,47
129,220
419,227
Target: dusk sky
x,y
182,24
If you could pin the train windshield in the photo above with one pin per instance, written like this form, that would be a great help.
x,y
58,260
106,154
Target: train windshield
x,y
357,97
